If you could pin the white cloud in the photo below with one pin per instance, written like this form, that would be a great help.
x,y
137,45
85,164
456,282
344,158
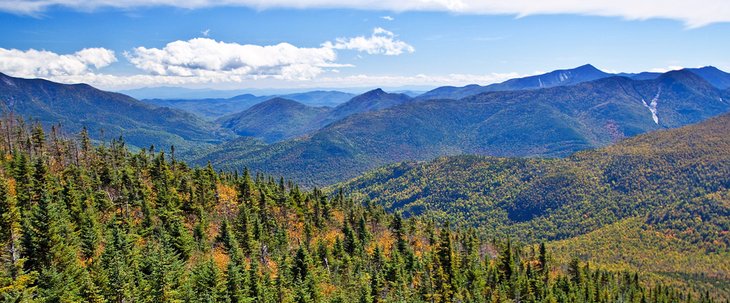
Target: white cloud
x,y
380,42
206,57
387,18
665,69
41,63
197,61
693,13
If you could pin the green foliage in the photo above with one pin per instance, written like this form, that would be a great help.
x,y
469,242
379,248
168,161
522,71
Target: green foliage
x,y
103,224
674,182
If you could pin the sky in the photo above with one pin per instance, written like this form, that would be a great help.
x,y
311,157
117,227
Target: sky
x,y
260,44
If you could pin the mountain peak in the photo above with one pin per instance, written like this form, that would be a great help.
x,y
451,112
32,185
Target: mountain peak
x,y
714,76
681,74
710,68
581,71
587,67
374,92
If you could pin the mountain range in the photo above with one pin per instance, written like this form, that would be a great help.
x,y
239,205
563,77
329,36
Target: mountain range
x,y
379,128
550,122
566,77
280,119
216,108
630,172
107,115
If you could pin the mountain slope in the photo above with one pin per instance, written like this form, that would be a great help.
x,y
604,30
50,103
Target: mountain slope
x,y
658,203
373,100
279,118
547,122
651,175
573,76
117,226
275,120
79,105
714,76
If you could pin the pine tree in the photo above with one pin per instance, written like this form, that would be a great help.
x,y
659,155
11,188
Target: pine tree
x,y
207,284
10,231
62,278
37,234
507,263
116,262
245,188
15,283
446,261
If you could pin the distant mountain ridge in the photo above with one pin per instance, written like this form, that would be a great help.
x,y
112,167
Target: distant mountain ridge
x,y
279,118
216,108
78,105
373,100
548,122
378,128
555,78
565,77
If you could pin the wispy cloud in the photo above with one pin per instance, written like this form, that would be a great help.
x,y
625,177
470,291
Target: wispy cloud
x,y
694,13
387,18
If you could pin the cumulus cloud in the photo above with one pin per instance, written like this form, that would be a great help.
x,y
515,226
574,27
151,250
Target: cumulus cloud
x,y
41,63
380,42
693,13
198,61
207,57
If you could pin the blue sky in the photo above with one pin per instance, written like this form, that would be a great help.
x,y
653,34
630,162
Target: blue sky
x,y
246,46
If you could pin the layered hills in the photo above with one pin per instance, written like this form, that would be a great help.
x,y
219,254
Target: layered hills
x,y
279,119
551,122
216,108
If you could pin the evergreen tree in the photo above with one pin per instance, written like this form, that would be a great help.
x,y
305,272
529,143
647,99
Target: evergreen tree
x,y
207,284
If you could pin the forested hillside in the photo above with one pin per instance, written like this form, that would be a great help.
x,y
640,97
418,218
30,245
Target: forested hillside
x,y
670,188
275,120
83,223
106,115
